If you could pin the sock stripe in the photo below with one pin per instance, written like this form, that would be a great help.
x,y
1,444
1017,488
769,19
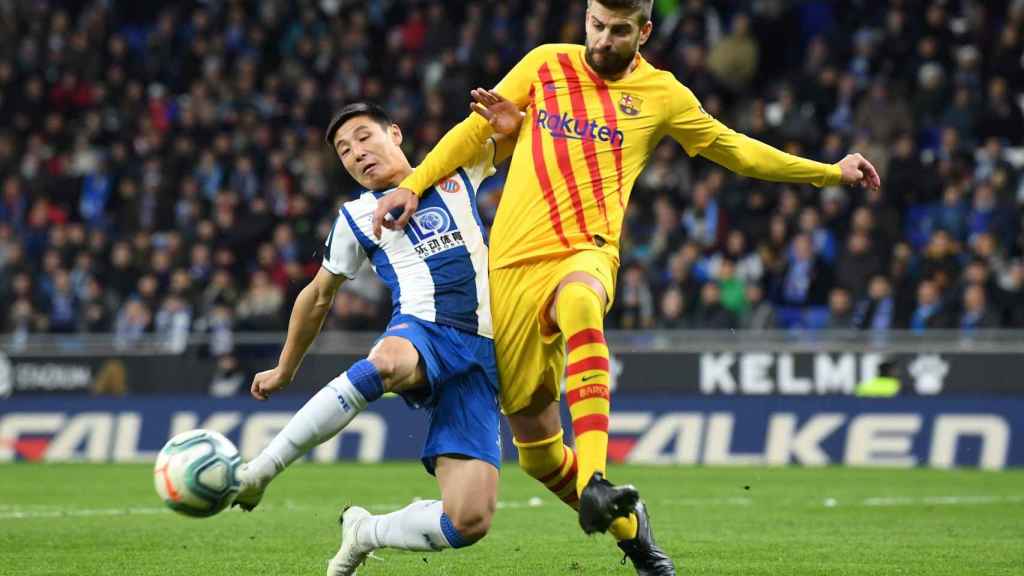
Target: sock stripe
x,y
558,470
591,363
570,476
366,379
588,336
450,533
571,498
599,390
590,423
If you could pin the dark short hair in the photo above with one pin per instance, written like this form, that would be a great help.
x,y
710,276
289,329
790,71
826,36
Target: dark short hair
x,y
350,111
646,7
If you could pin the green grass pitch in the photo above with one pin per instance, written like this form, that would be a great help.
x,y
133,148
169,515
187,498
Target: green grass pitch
x,y
83,520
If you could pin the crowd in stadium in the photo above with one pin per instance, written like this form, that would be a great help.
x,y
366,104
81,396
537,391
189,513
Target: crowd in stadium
x,y
164,171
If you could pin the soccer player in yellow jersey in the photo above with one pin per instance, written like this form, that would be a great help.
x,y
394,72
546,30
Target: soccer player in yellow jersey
x,y
593,114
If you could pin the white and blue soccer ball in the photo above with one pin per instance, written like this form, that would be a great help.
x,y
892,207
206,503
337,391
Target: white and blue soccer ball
x,y
196,473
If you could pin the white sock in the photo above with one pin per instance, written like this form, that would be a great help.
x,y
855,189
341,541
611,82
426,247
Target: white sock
x,y
323,416
420,526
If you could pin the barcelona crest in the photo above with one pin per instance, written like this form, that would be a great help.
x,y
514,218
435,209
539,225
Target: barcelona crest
x,y
630,105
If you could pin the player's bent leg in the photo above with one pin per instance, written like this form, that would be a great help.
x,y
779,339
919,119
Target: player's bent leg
x,y
393,365
542,453
469,492
579,311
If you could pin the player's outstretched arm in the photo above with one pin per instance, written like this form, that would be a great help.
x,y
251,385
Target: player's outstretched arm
x,y
753,158
455,149
504,117
308,314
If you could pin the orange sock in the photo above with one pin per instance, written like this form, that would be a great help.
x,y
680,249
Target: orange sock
x,y
581,320
553,464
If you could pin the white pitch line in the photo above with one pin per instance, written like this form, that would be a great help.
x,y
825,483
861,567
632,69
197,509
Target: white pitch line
x,y
78,513
939,500
15,512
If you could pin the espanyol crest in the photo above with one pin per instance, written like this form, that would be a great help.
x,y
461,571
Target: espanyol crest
x,y
430,222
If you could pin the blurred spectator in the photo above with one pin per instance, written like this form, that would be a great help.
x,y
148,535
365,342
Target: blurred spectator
x,y
63,312
132,322
666,236
878,310
806,279
260,306
977,315
822,239
748,266
635,300
219,325
840,310
941,256
929,313
1001,116
704,221
672,310
760,314
733,289
733,60
882,114
710,314
173,321
96,308
857,265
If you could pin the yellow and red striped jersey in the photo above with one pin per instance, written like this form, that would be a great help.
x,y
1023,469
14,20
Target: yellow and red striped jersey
x,y
582,145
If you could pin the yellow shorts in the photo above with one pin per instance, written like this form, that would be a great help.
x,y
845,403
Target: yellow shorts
x,y
530,349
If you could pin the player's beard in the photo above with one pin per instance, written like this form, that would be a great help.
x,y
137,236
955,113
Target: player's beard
x,y
612,64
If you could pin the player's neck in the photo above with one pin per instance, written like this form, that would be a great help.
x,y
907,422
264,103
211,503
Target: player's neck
x,y
400,175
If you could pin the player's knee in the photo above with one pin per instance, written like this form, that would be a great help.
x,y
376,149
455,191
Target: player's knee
x,y
387,368
580,297
473,523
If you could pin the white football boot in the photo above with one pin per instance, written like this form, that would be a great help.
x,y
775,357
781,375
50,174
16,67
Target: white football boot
x,y
352,553
251,492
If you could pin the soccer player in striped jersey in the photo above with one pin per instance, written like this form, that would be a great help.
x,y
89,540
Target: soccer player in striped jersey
x,y
437,352
594,114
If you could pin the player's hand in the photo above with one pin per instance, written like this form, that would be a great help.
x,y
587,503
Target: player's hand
x,y
394,210
268,382
857,170
503,115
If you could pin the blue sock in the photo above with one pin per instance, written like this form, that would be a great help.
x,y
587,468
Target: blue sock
x,y
451,534
366,379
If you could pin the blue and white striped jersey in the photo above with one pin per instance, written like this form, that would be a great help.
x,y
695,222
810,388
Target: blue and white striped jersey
x,y
436,268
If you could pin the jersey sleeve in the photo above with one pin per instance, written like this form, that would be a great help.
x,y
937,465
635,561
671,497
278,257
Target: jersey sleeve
x,y
481,166
753,158
688,123
343,255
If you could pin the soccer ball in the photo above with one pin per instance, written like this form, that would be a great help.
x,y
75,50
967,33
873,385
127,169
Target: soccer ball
x,y
196,473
